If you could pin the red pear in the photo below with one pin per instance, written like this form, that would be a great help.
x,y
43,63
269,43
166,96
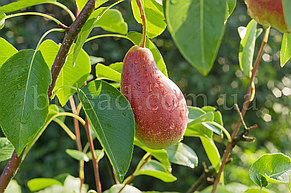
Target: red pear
x,y
268,13
158,105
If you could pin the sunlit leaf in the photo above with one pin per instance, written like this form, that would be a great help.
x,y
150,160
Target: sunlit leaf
x,y
70,75
6,149
20,4
82,3
271,168
212,152
285,53
247,47
160,154
154,16
6,50
127,189
105,72
41,183
2,19
183,155
157,170
112,21
78,155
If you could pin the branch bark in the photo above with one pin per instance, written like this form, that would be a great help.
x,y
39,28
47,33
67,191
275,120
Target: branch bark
x,y
10,170
244,110
71,34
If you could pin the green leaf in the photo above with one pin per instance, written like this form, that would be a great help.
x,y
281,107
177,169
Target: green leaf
x,y
257,190
135,37
105,72
198,130
183,155
230,6
285,53
154,16
212,152
24,101
194,113
197,28
112,120
6,50
41,183
289,184
117,66
86,30
73,184
287,14
157,170
78,155
62,177
112,21
20,4
70,75
160,154
95,60
213,126
217,114
247,47
229,188
54,110
6,149
127,189
207,117
98,153
13,187
273,168
2,19
82,3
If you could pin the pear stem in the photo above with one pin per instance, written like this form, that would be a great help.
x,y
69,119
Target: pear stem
x,y
143,18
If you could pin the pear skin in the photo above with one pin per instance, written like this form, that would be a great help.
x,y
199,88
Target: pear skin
x,y
158,104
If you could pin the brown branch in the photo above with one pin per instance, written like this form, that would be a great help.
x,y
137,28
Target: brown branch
x,y
71,34
206,177
244,110
94,160
78,140
10,170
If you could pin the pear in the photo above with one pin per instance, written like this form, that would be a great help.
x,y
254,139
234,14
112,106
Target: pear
x,y
158,105
268,13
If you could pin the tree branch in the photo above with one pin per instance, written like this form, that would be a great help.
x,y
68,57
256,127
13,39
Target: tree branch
x,y
10,170
244,110
94,160
71,35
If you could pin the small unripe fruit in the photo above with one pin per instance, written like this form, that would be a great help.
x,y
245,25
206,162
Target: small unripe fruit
x,y
268,13
158,105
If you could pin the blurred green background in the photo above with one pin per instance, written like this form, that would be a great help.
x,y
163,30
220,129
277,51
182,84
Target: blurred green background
x,y
223,87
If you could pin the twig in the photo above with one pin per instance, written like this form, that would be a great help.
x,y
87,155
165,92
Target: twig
x,y
240,116
94,160
69,38
245,107
10,170
78,140
243,136
205,177
146,158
